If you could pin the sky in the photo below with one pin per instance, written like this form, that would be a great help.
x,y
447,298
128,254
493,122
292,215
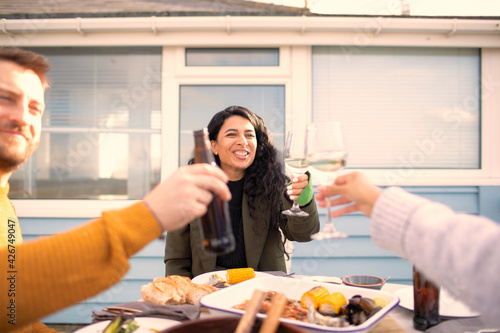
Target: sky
x,y
393,7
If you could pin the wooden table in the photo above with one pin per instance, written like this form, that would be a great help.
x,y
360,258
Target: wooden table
x,y
399,319
387,325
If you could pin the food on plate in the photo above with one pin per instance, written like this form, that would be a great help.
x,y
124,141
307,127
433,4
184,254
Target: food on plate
x,y
331,310
216,281
237,275
293,310
121,325
197,291
174,290
360,309
315,317
233,276
381,300
313,296
332,303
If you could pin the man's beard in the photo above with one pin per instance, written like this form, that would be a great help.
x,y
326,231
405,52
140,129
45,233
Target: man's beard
x,y
10,162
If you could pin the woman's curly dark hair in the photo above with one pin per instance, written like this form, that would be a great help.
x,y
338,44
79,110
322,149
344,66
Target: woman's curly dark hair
x,y
264,177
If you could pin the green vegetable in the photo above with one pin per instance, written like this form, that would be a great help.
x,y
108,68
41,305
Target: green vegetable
x,y
114,326
121,325
130,326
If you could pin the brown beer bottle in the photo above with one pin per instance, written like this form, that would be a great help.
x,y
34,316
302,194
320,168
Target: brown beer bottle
x,y
218,235
425,301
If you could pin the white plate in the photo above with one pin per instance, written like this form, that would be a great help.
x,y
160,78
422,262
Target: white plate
x,y
321,278
203,278
146,325
448,305
221,302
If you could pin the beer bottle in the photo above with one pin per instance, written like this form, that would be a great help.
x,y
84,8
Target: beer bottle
x,y
425,301
218,235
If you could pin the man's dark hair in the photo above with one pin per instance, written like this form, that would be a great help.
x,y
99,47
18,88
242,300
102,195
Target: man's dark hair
x,y
28,60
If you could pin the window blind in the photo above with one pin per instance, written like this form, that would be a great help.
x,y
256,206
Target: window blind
x,y
101,127
411,107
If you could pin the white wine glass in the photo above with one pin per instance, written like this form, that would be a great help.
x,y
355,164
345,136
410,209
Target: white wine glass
x,y
326,155
294,156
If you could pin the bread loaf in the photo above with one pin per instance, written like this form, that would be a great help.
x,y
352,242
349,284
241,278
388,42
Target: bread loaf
x,y
174,290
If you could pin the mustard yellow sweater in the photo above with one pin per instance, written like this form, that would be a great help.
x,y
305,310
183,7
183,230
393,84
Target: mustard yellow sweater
x,y
46,275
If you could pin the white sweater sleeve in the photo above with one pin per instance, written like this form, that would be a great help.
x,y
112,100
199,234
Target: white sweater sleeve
x,y
460,252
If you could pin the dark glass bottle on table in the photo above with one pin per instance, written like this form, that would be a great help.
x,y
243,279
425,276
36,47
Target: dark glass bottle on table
x,y
425,301
218,235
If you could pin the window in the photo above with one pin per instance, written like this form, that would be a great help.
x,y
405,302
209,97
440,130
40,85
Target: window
x,y
101,128
402,107
198,104
232,57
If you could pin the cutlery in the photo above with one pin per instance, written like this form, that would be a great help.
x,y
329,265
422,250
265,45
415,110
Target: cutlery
x,y
272,320
247,320
119,309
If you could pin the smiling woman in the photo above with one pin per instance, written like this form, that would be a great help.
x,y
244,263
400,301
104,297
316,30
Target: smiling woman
x,y
235,146
244,150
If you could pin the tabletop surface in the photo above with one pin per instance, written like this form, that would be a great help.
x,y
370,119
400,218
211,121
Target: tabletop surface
x,y
400,315
397,320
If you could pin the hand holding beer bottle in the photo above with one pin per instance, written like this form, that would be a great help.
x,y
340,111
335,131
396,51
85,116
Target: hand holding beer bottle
x,y
218,235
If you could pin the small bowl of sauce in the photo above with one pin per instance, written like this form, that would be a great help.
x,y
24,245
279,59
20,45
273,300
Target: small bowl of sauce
x,y
364,281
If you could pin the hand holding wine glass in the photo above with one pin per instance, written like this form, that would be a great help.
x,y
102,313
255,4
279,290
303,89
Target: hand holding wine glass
x,y
294,156
326,155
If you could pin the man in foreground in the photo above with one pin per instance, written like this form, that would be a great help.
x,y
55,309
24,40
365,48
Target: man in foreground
x,y
51,273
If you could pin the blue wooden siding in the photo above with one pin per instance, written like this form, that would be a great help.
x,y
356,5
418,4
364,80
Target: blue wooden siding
x,y
354,255
358,254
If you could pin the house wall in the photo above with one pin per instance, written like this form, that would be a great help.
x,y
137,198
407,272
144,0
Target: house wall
x,y
470,191
359,255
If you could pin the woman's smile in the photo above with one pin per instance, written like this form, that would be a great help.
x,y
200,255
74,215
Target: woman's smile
x,y
241,153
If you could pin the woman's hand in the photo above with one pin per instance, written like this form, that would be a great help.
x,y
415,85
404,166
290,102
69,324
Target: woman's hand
x,y
297,186
353,189
185,194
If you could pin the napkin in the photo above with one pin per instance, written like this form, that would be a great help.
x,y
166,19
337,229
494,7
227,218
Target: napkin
x,y
307,194
459,325
175,312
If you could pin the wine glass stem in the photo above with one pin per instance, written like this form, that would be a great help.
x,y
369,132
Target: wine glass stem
x,y
328,217
295,207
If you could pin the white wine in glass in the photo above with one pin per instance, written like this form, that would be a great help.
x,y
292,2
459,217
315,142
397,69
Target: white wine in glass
x,y
326,155
294,156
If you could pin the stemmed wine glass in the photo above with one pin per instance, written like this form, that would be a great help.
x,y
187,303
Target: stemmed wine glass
x,y
326,155
294,155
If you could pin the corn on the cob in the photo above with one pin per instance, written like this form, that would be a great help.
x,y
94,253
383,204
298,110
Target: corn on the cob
x,y
332,303
237,275
313,296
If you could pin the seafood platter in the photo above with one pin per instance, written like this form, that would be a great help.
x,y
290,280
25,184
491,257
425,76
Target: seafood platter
x,y
312,305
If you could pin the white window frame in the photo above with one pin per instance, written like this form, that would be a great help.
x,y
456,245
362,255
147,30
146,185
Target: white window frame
x,y
174,63
294,36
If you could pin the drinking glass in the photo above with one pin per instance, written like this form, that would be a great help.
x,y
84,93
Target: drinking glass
x,y
326,155
294,155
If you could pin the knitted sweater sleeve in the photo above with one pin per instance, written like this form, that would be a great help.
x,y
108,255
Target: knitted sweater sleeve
x,y
458,251
54,272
